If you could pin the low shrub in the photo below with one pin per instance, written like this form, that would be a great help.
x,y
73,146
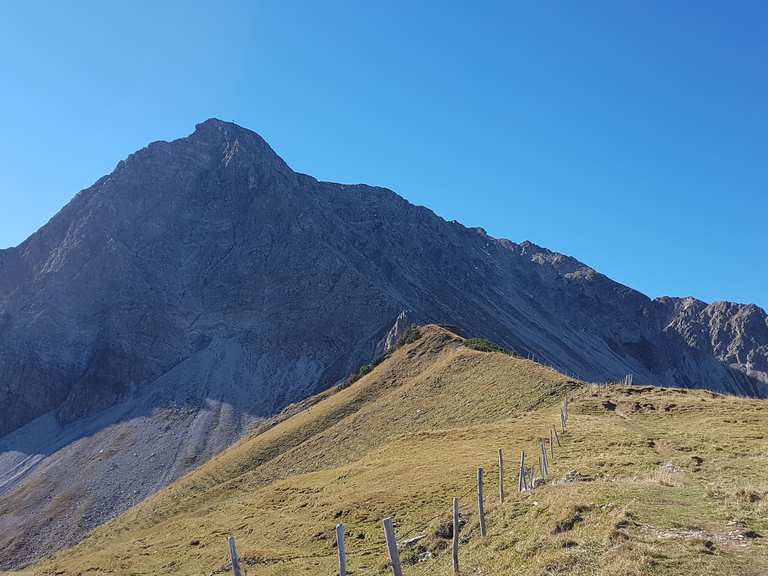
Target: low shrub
x,y
483,345
410,336
352,378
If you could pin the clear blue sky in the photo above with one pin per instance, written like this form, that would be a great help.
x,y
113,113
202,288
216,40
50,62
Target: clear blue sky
x,y
632,135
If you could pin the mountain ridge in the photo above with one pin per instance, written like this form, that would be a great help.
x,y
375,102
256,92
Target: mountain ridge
x,y
408,436
203,285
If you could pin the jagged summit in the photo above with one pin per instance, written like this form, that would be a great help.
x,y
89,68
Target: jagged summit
x,y
217,124
216,141
218,132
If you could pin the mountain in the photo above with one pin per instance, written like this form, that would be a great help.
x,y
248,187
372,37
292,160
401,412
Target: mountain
x,y
410,435
203,285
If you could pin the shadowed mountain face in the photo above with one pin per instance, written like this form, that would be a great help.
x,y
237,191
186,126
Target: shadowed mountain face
x,y
204,285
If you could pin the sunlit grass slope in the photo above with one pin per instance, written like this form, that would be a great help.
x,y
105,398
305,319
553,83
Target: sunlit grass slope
x,y
670,481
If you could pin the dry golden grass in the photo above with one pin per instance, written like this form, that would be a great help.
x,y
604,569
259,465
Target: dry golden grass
x,y
678,480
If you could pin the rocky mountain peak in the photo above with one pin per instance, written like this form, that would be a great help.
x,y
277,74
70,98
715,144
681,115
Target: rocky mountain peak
x,y
203,285
230,137
218,144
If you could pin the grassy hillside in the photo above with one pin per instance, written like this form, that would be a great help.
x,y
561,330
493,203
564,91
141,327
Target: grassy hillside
x,y
669,481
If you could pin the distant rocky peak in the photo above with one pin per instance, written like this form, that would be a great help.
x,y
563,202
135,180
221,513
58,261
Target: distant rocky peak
x,y
549,262
733,333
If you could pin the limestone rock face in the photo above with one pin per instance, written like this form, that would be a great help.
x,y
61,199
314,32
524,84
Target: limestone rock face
x,y
736,335
398,329
204,285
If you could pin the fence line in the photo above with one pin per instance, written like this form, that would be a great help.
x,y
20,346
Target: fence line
x,y
526,482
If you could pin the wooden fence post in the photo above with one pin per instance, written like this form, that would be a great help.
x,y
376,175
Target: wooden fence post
x,y
562,420
521,472
501,476
531,481
541,461
394,555
342,550
455,541
551,444
557,436
480,506
233,556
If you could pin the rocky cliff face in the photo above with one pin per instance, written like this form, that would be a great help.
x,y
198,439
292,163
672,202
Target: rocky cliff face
x,y
734,334
204,284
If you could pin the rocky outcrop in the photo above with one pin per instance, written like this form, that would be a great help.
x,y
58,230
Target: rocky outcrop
x,y
203,285
399,328
737,335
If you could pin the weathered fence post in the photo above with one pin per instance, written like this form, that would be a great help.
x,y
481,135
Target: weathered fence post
x,y
562,420
480,506
501,476
557,436
233,556
551,444
394,555
342,550
541,460
455,540
521,472
531,481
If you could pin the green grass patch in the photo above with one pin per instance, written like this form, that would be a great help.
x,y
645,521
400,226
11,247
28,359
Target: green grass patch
x,y
483,345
